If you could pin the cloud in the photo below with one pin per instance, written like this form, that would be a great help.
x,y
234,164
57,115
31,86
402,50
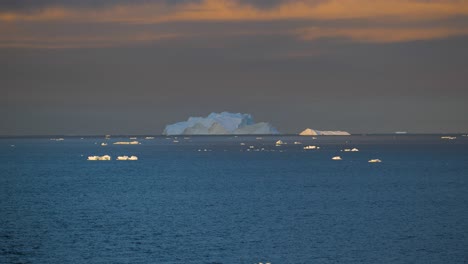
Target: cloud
x,y
391,21
381,35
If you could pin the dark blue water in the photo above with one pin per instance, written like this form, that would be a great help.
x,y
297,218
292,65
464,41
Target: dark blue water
x,y
229,205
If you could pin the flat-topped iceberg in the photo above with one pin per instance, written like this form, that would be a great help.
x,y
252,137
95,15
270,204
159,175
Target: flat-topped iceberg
x,y
313,132
224,123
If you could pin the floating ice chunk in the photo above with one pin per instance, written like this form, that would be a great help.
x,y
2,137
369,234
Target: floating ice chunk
x,y
337,158
133,158
279,143
354,149
297,143
310,147
103,144
448,137
105,157
127,143
374,161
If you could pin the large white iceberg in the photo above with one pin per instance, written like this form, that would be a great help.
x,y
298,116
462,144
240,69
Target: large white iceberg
x,y
220,124
313,132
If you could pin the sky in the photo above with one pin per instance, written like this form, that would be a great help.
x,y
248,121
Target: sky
x,y
131,67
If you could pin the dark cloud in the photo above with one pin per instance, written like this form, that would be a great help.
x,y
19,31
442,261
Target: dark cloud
x,y
32,5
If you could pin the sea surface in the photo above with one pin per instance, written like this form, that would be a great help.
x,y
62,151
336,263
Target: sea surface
x,y
212,200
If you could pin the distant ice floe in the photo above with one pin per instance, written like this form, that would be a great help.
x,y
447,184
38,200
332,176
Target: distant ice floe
x,y
313,132
224,123
374,161
205,150
337,158
57,139
279,143
149,137
127,158
105,157
127,143
103,144
310,147
350,150
297,143
448,137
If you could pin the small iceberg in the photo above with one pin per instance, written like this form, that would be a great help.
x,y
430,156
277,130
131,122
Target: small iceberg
x,y
448,137
105,157
297,143
133,138
127,158
103,144
350,150
310,147
314,132
337,158
57,139
127,143
374,161
279,143
149,137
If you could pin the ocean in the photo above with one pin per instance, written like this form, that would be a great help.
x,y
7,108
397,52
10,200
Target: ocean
x,y
226,199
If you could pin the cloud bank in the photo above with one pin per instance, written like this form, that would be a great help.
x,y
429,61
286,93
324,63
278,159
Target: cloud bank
x,y
58,24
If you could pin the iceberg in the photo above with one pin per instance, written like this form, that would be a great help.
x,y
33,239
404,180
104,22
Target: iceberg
x,y
105,157
313,132
224,123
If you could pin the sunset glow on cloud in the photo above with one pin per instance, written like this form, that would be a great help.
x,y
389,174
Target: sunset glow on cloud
x,y
380,21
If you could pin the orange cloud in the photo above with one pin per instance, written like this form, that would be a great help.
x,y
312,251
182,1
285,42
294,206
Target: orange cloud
x,y
382,35
414,18
231,10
